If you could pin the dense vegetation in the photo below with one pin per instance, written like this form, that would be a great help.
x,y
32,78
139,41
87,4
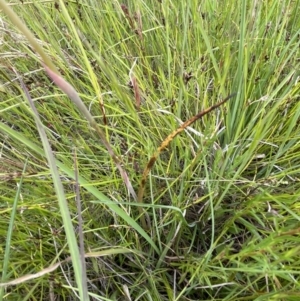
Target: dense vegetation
x,y
160,209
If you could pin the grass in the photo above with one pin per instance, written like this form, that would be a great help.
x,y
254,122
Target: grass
x,y
217,217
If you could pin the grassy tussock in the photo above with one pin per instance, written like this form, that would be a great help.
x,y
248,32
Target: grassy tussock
x,y
85,104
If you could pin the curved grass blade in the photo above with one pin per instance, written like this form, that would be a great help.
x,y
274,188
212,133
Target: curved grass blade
x,y
63,205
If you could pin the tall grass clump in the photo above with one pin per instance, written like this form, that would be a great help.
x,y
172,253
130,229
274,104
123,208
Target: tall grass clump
x,y
149,150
